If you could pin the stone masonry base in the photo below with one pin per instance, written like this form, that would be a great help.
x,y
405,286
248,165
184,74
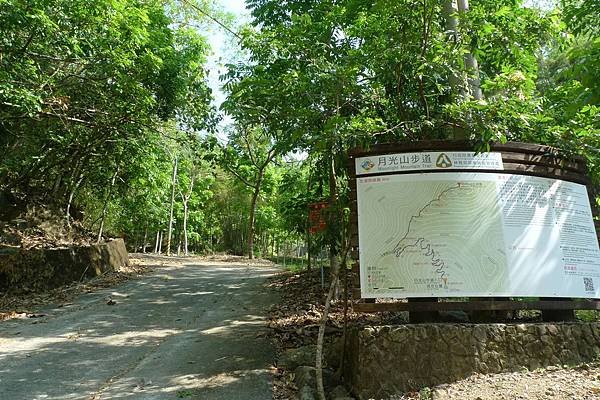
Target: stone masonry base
x,y
387,360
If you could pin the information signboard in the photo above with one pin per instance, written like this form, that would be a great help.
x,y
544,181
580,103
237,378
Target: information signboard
x,y
474,234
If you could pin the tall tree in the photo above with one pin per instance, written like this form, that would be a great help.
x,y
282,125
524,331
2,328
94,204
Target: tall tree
x,y
68,74
247,155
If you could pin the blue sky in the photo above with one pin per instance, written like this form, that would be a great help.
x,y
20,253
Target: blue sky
x,y
223,49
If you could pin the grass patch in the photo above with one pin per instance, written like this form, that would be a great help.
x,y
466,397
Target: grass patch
x,y
587,315
292,264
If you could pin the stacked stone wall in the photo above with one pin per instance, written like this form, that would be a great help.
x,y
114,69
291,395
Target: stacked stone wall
x,y
386,360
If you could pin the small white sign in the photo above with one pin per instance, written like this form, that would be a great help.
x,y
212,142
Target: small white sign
x,y
430,160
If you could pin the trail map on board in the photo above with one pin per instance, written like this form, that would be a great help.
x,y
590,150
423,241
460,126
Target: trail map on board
x,y
475,234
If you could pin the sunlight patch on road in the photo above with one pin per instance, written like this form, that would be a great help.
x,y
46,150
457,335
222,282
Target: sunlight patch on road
x,y
10,346
161,302
193,294
226,329
132,338
193,381
217,380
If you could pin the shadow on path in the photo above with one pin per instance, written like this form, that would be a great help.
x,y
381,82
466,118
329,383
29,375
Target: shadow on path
x,y
193,331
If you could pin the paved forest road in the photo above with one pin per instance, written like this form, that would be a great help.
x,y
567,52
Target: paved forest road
x,y
190,331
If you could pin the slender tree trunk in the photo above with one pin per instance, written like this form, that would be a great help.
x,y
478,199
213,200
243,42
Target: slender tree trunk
x,y
322,326
334,285
465,82
251,223
470,61
101,226
308,250
170,232
451,17
333,206
253,212
332,213
57,184
185,232
105,207
156,242
70,201
160,240
145,239
185,198
74,173
308,233
344,268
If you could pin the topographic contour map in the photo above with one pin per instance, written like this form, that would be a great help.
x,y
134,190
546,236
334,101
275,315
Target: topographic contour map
x,y
430,236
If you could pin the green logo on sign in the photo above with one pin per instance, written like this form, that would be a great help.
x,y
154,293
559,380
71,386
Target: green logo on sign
x,y
443,161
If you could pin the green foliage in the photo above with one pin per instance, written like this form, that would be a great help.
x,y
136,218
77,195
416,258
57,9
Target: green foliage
x,y
292,264
505,36
587,315
183,394
116,88
425,394
89,91
325,76
82,85
582,16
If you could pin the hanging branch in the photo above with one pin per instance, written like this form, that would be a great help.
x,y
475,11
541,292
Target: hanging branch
x,y
205,13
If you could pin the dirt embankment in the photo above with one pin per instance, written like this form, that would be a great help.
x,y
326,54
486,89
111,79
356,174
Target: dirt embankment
x,y
41,249
26,305
34,225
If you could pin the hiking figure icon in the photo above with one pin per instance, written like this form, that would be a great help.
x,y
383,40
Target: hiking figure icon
x,y
443,161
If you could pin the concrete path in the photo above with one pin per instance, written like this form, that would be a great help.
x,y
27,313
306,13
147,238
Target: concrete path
x,y
192,331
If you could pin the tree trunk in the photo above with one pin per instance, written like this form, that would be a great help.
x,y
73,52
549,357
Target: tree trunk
x,y
265,244
322,325
344,268
145,239
70,201
465,82
105,207
185,198
57,184
253,212
156,243
471,66
308,233
170,232
332,213
451,16
185,232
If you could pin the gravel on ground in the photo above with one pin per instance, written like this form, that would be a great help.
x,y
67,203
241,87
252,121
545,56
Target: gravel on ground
x,y
578,383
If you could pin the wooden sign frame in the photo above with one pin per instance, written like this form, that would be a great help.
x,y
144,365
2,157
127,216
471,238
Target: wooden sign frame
x,y
518,158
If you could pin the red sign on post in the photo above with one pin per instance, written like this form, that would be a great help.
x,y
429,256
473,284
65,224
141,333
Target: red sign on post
x,y
317,217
